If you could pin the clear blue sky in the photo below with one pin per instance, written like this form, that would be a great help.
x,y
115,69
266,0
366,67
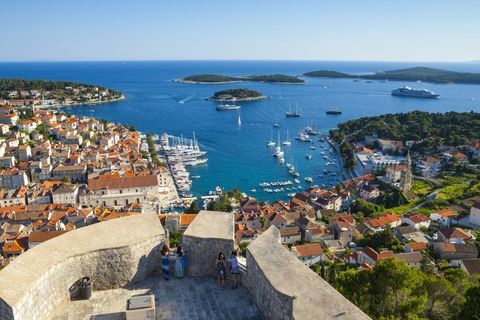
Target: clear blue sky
x,y
408,30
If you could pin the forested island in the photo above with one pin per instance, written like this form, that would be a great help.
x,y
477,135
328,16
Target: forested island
x,y
216,79
410,74
232,95
453,128
53,93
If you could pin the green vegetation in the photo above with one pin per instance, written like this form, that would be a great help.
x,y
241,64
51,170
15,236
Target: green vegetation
x,y
223,204
365,207
393,290
194,208
235,194
410,74
236,95
382,240
216,78
175,238
453,128
153,154
59,90
422,188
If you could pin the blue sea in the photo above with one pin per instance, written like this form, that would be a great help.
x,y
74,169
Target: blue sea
x,y
238,156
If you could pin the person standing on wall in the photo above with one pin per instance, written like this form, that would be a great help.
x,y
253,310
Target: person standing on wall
x,y
221,270
180,262
234,268
165,261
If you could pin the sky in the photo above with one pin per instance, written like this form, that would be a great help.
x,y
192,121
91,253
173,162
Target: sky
x,y
375,30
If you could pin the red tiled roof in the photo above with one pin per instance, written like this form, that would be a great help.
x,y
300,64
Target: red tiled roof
x,y
312,249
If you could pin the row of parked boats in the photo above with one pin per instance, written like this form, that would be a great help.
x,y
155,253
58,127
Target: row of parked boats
x,y
181,153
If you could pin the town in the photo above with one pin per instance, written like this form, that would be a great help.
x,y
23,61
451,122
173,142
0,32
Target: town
x,y
61,172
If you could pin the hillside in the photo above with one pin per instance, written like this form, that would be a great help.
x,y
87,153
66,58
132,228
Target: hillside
x,y
454,128
410,74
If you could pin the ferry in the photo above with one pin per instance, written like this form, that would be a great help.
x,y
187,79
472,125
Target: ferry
x,y
414,93
225,107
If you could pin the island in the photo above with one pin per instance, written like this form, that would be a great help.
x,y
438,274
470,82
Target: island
x,y
423,74
232,95
218,79
23,92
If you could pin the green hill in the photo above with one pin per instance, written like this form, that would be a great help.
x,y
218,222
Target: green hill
x,y
410,74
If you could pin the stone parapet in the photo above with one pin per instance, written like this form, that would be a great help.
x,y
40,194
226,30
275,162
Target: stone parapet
x,y
113,254
284,288
210,233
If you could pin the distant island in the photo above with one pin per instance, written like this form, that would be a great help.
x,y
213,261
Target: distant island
x,y
232,95
410,74
19,92
217,79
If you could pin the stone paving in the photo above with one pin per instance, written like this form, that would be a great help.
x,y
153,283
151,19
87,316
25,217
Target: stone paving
x,y
189,298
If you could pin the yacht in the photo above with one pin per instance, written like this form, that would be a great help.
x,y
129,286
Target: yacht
x,y
270,142
276,124
224,107
303,137
311,131
309,179
278,153
287,142
415,93
308,157
291,114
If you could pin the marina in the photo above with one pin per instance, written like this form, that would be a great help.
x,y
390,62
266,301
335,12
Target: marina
x,y
238,156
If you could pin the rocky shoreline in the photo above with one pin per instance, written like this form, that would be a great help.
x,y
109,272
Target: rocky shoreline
x,y
78,104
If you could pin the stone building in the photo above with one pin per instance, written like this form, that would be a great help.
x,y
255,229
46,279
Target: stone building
x,y
406,175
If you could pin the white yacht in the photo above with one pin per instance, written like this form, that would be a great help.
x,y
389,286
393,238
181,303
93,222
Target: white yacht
x,y
270,142
224,107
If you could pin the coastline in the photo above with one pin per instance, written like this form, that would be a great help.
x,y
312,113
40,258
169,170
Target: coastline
x,y
77,104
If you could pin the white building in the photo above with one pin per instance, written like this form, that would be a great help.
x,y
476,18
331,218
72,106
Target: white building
x,y
474,217
365,163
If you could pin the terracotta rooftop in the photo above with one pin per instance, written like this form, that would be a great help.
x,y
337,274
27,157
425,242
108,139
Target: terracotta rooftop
x,y
123,182
311,249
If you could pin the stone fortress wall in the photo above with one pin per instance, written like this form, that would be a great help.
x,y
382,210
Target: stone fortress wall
x,y
122,251
113,254
209,234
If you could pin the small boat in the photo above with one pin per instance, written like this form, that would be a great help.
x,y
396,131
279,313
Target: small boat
x,y
253,190
334,111
308,157
312,148
303,137
291,195
309,179
276,124
281,160
271,143
225,107
195,177
296,181
239,121
311,131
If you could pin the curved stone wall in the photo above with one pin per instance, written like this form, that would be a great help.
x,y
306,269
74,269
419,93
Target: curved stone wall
x,y
113,254
284,288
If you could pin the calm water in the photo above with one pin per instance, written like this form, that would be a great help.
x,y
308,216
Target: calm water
x,y
238,156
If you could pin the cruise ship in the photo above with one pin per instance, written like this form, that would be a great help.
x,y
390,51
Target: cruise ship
x,y
415,93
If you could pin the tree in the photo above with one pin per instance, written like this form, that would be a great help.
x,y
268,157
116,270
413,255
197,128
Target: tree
x,y
471,309
236,194
175,238
194,208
